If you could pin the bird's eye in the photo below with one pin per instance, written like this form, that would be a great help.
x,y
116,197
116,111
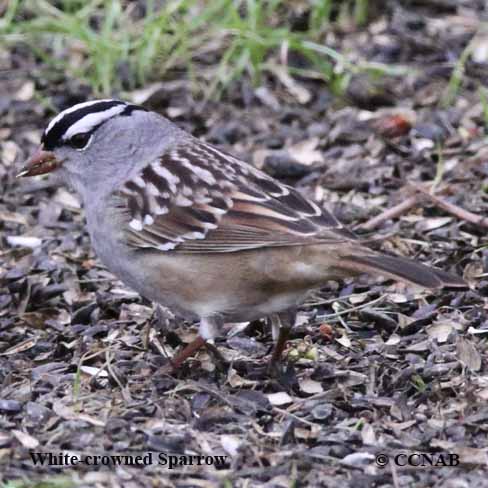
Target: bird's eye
x,y
80,141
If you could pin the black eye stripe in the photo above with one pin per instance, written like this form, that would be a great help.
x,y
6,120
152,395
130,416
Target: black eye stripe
x,y
54,136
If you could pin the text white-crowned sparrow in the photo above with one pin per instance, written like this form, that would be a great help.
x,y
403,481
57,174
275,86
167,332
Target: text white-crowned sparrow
x,y
196,229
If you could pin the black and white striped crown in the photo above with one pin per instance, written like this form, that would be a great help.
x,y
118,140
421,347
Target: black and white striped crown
x,y
83,118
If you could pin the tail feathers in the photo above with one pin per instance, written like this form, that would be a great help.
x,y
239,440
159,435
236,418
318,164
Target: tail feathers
x,y
405,270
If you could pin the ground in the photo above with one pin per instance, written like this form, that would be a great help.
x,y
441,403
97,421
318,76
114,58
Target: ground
x,y
373,368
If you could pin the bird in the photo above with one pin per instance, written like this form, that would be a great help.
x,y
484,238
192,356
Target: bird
x,y
199,231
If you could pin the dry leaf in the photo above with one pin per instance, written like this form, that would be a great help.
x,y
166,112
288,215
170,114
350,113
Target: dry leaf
x,y
440,331
267,97
280,398
311,386
9,152
26,92
357,458
21,347
67,199
91,371
468,354
433,223
368,436
24,241
467,455
6,216
306,152
237,381
393,340
25,439
298,91
230,443
344,341
68,413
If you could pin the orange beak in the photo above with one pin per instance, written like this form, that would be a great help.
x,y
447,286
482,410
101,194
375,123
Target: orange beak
x,y
39,163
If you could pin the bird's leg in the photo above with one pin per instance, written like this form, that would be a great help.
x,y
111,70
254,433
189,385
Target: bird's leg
x,y
275,327
279,346
187,351
281,324
210,328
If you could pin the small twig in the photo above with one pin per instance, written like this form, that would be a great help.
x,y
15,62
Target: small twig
x,y
459,212
440,168
352,309
318,302
296,417
123,389
392,212
371,385
324,395
419,194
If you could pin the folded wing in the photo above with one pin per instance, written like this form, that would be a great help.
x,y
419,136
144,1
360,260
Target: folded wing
x,y
199,199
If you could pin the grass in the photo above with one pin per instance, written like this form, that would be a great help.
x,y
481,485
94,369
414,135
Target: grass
x,y
113,47
418,383
455,81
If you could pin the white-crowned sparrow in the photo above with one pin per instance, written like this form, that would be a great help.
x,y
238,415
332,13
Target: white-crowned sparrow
x,y
197,230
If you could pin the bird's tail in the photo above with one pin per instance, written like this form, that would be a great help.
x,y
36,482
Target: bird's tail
x,y
402,269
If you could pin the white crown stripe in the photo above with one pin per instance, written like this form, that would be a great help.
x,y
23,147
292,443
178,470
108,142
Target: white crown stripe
x,y
90,121
71,110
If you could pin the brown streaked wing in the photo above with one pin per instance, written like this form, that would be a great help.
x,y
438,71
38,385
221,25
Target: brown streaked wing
x,y
200,199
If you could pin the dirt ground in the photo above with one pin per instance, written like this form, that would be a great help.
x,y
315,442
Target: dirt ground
x,y
374,367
